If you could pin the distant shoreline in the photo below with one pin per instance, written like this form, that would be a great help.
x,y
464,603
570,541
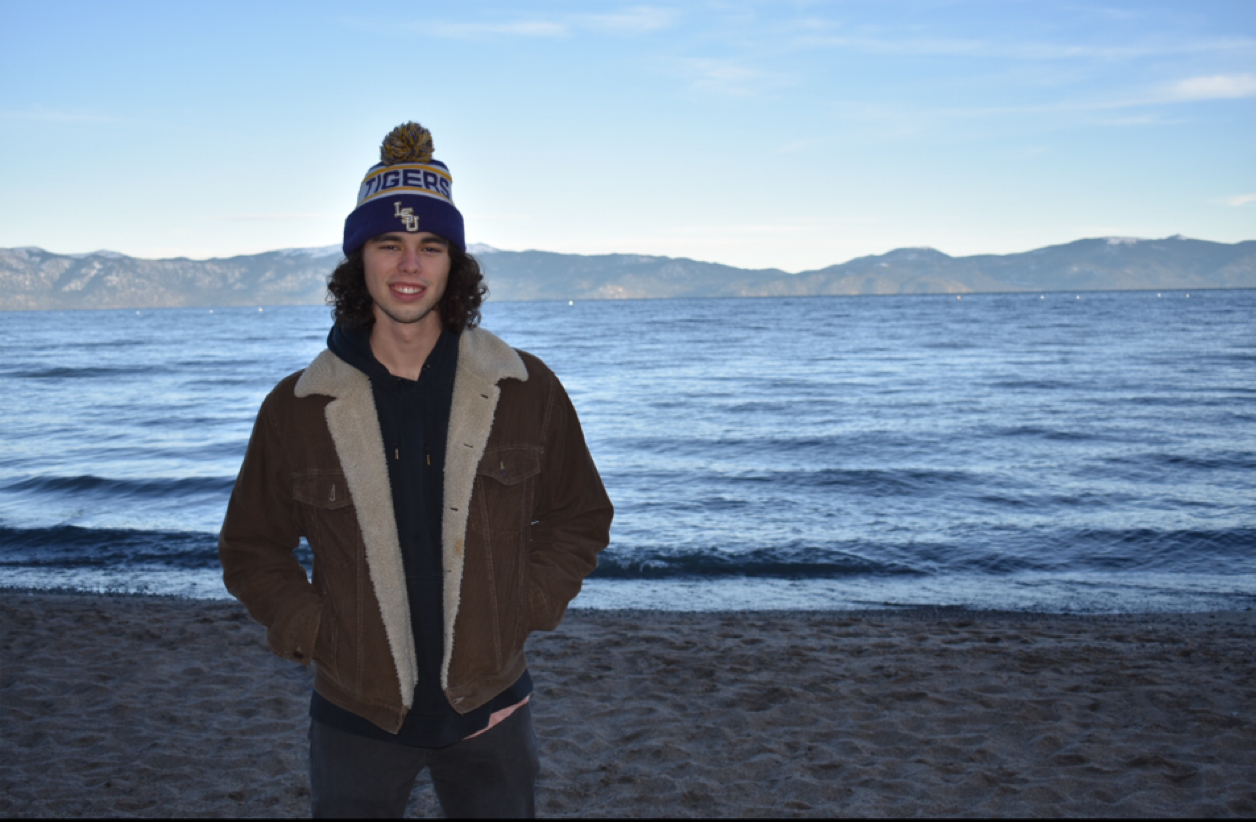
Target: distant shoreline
x,y
35,279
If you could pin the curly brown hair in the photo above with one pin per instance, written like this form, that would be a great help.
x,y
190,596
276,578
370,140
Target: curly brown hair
x,y
352,307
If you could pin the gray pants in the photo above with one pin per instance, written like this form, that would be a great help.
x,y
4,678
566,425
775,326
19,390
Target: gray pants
x,y
492,775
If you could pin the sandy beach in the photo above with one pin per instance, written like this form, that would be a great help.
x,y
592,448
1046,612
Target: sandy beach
x,y
134,706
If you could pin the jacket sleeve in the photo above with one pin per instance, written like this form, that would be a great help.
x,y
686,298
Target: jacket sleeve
x,y
257,543
572,516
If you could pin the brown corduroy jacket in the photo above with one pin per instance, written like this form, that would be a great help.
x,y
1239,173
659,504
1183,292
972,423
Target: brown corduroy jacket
x,y
525,515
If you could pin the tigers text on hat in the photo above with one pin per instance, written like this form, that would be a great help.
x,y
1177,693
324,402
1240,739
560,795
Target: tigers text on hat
x,y
406,191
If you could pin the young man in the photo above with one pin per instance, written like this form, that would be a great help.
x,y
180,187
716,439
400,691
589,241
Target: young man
x,y
442,480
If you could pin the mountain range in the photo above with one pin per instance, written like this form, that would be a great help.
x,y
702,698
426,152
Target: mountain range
x,y
32,278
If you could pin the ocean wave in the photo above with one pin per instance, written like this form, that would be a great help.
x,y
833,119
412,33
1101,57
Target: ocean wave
x,y
708,447
1031,385
1188,550
1159,462
1008,551
70,546
1047,433
872,481
1240,460
994,553
105,486
91,372
782,563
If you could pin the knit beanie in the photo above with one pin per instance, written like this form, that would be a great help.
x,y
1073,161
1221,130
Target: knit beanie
x,y
405,191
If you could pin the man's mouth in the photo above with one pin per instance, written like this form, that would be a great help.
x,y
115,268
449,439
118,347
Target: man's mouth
x,y
406,291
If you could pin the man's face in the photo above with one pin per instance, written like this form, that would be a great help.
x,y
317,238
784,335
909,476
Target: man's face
x,y
406,275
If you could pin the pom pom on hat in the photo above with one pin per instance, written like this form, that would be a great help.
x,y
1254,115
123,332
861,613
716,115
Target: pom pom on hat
x,y
406,191
407,143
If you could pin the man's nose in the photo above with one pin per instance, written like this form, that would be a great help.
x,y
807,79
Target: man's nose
x,y
410,259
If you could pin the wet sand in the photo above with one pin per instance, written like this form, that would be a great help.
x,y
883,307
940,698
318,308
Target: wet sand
x,y
134,706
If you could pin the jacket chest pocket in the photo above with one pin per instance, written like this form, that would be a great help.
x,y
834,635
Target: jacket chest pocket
x,y
505,484
328,517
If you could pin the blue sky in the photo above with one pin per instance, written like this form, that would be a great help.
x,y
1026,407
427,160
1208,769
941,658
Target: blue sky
x,y
790,135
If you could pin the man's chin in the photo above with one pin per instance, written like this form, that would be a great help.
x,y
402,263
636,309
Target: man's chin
x,y
407,315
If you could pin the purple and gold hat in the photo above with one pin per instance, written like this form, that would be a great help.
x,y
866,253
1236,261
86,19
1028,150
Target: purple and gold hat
x,y
406,191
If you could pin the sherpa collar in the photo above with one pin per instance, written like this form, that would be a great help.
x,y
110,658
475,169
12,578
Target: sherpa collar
x,y
479,351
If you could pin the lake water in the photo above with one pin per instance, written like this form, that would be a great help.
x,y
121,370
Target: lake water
x,y
1058,452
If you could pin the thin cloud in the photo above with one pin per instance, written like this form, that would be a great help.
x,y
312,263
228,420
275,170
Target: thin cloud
x,y
524,28
898,48
629,21
1137,120
723,76
961,47
636,20
1240,200
727,78
1216,87
1192,89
